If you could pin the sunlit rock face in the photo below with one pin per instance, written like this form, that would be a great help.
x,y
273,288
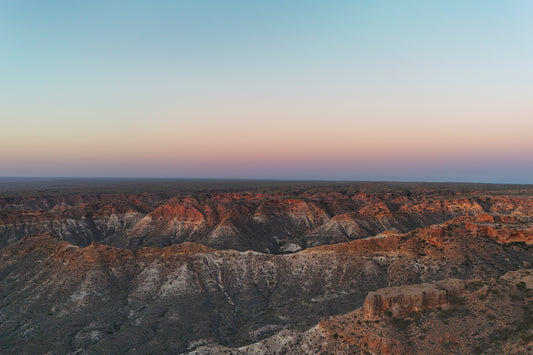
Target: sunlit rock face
x,y
265,222
404,300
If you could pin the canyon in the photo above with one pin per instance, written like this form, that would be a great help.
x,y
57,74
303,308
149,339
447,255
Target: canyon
x,y
345,268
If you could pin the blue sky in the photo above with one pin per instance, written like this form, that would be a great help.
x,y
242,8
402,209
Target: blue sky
x,y
385,90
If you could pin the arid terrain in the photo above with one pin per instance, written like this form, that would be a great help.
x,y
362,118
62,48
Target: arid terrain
x,y
265,268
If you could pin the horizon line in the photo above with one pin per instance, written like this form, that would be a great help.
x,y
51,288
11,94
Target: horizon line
x,y
133,178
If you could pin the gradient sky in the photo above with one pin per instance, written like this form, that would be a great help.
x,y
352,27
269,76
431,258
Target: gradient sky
x,y
352,90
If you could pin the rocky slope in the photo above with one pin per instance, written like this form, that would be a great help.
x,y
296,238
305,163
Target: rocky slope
x,y
166,280
265,222
98,297
448,317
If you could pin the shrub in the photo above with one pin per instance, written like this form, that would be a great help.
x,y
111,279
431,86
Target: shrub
x,y
457,300
400,323
521,286
475,285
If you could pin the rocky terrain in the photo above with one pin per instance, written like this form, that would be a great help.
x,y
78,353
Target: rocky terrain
x,y
268,222
451,316
340,270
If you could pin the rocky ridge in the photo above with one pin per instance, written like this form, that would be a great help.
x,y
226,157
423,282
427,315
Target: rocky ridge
x,y
269,223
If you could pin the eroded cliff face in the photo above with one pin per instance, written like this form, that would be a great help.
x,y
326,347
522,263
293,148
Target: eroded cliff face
x,y
77,219
269,223
147,273
404,300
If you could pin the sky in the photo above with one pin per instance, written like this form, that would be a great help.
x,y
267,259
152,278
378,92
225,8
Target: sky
x,y
343,90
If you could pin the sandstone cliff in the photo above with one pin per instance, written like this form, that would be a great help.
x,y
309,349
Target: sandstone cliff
x,y
405,300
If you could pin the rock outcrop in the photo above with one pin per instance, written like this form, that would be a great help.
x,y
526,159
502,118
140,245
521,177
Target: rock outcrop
x,y
404,300
522,279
